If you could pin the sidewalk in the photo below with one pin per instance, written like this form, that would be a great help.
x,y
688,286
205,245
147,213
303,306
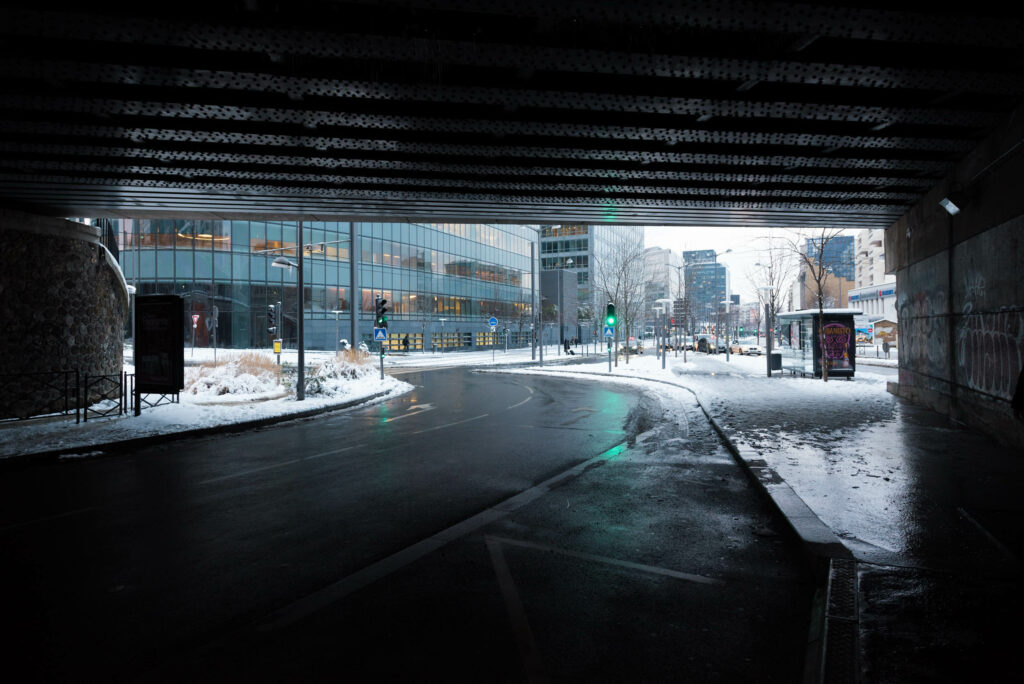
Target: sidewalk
x,y
918,525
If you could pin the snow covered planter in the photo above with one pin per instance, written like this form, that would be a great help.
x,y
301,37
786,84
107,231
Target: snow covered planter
x,y
249,373
340,375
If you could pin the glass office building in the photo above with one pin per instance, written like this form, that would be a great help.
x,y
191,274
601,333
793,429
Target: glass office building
x,y
442,281
707,285
578,248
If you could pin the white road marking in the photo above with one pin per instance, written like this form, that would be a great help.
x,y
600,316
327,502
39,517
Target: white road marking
x,y
413,411
350,584
528,651
988,535
280,464
528,389
46,519
653,569
458,422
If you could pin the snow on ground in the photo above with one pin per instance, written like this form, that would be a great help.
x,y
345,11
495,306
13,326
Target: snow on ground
x,y
835,443
811,432
222,395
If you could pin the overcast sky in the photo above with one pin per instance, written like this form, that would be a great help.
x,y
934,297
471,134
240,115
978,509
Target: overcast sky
x,y
745,244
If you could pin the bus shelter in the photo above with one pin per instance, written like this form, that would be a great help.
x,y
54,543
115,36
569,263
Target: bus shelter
x,y
802,348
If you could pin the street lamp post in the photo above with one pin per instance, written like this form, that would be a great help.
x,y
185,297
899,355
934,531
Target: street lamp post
x,y
726,303
283,262
766,293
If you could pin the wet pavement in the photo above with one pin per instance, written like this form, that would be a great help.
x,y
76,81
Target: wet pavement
x,y
654,561
914,526
926,522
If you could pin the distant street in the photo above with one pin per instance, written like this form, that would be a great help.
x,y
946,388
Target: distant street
x,y
172,561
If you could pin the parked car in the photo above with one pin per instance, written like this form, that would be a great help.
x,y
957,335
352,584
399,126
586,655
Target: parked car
x,y
745,349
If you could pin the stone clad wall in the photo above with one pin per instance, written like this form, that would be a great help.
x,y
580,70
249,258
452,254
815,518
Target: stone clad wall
x,y
960,283
64,308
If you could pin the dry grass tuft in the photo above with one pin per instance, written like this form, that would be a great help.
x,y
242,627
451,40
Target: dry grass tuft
x,y
353,356
207,376
252,363
256,364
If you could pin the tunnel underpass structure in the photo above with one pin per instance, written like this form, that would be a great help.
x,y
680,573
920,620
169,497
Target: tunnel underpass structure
x,y
725,114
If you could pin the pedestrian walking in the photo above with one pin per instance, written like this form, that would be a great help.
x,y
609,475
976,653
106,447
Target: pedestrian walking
x,y
405,343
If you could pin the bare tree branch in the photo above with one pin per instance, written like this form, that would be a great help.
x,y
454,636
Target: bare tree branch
x,y
619,276
818,270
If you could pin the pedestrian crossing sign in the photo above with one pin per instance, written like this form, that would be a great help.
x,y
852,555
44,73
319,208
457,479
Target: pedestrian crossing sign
x,y
380,334
609,331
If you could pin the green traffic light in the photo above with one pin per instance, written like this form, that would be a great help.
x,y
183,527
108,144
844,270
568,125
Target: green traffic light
x,y
610,320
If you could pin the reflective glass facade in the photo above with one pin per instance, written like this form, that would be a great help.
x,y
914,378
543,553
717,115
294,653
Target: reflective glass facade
x,y
442,281
707,284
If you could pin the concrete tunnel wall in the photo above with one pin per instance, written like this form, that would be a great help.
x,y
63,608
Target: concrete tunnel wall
x,y
65,304
959,289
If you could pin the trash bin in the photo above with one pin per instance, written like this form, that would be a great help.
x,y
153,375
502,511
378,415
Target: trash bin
x,y
775,361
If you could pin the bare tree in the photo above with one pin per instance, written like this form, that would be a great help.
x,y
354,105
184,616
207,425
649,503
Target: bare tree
x,y
619,275
812,258
684,289
772,276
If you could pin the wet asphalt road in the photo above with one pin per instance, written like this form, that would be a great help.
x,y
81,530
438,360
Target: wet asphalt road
x,y
410,540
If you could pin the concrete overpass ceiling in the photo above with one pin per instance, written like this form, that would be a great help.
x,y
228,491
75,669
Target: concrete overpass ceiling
x,y
723,113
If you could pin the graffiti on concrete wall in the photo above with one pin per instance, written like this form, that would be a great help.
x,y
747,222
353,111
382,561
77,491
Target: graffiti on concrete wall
x,y
989,344
924,339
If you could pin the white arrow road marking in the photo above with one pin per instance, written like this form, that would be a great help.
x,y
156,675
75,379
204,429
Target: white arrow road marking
x,y
413,411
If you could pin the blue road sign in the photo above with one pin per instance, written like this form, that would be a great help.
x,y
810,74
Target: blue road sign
x,y
380,334
492,321
609,331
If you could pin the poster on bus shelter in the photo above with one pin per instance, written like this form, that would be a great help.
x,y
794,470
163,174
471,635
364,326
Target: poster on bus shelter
x,y
836,345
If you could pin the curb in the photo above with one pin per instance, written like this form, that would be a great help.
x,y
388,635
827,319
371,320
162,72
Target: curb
x,y
26,460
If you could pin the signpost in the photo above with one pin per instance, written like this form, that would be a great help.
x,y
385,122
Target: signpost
x,y
493,322
381,335
213,328
609,332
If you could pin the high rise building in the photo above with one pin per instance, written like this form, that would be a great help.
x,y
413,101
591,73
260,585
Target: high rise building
x,y
662,278
875,292
707,285
870,255
838,256
578,248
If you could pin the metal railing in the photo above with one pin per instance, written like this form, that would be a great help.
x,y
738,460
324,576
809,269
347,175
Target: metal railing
x,y
61,393
106,395
40,394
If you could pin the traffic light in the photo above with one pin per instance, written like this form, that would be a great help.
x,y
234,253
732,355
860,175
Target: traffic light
x,y
381,316
609,314
271,319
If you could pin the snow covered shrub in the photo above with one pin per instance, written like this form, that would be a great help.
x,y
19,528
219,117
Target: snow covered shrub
x,y
245,373
339,375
